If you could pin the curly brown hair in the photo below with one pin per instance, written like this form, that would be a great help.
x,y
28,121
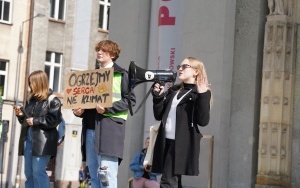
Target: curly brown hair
x,y
109,46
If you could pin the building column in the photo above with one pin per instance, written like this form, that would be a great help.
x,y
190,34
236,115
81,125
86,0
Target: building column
x,y
275,133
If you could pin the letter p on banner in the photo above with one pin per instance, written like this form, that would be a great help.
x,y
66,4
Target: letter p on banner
x,y
164,17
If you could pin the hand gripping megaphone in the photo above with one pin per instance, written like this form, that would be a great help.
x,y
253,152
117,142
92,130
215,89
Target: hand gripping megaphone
x,y
138,75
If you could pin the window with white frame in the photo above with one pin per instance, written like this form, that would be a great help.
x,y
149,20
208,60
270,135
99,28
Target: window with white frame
x,y
104,14
53,65
5,11
3,77
57,9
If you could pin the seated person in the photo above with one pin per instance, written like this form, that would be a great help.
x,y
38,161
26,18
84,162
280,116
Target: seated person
x,y
143,178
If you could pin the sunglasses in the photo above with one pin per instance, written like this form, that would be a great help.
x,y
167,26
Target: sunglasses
x,y
183,66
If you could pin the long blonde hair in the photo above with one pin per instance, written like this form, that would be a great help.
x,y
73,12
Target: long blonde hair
x,y
199,65
39,85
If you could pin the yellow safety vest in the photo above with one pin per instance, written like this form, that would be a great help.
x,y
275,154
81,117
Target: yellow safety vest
x,y
117,96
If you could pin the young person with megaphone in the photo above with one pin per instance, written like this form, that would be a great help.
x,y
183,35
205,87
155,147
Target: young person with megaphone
x,y
180,110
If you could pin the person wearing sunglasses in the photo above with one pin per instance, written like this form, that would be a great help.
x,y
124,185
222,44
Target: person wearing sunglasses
x,y
182,109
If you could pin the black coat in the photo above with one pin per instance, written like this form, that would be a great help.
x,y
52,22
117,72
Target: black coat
x,y
191,112
45,121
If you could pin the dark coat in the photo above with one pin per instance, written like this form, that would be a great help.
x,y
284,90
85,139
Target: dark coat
x,y
192,111
45,120
110,131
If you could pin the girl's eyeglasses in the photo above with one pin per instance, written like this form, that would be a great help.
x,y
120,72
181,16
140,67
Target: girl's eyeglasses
x,y
183,66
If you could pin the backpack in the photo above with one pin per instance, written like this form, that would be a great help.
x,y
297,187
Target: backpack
x,y
61,126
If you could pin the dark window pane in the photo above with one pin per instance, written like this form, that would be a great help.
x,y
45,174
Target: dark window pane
x,y
2,81
109,1
1,2
56,79
108,10
101,11
2,65
57,57
48,56
47,70
52,8
61,9
6,11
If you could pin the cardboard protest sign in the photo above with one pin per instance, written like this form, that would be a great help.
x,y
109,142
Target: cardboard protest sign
x,y
85,89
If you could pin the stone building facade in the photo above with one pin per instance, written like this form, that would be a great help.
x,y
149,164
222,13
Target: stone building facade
x,y
251,52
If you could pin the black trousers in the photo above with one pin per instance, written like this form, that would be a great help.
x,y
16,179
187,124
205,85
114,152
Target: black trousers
x,y
168,178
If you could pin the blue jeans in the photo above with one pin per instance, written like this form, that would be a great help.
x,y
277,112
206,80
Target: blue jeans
x,y
35,166
94,161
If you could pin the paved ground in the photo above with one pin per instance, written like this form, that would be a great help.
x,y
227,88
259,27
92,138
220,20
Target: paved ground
x,y
86,186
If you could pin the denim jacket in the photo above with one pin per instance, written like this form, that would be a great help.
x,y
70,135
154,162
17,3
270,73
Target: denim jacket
x,y
137,166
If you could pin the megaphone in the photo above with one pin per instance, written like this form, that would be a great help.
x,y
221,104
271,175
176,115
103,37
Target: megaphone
x,y
138,75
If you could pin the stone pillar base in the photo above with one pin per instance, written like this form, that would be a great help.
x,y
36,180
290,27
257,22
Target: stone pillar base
x,y
267,186
272,182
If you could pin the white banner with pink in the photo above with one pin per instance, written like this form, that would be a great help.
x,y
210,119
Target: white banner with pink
x,y
165,42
